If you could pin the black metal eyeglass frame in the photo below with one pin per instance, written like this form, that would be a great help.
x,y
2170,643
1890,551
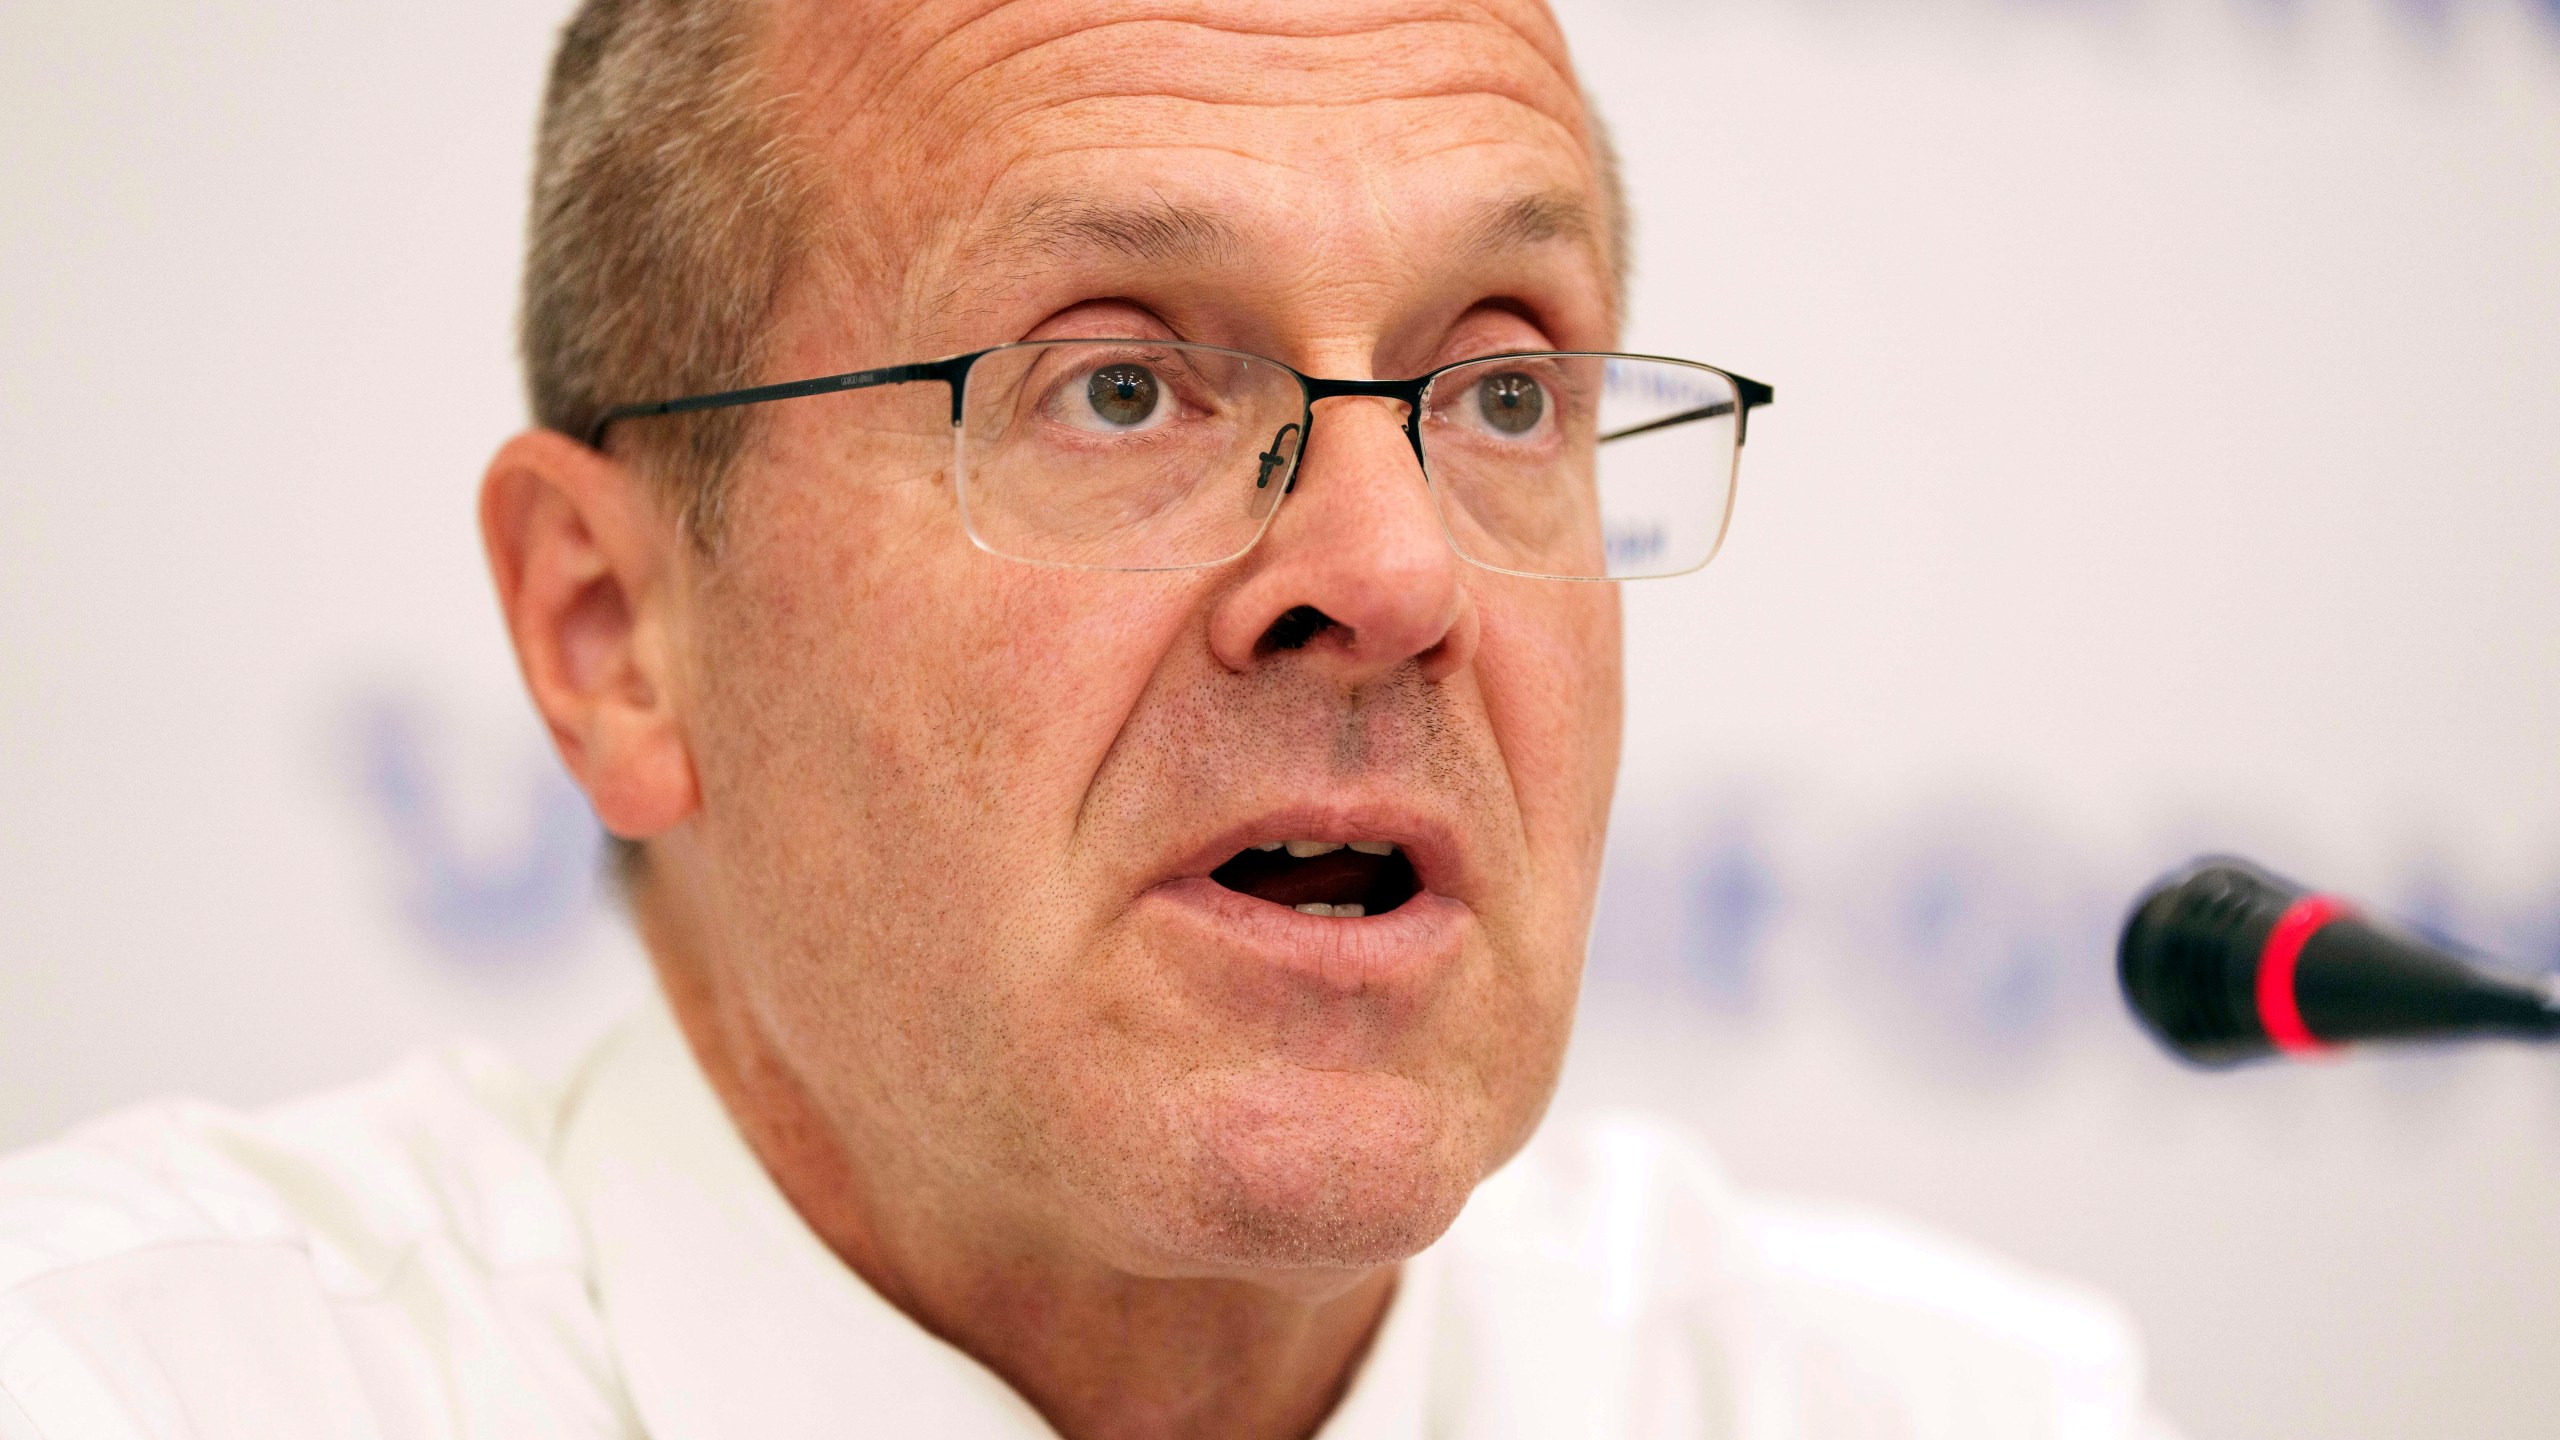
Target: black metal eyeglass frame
x,y
1749,394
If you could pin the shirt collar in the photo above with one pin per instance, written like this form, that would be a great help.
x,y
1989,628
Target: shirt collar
x,y
729,1317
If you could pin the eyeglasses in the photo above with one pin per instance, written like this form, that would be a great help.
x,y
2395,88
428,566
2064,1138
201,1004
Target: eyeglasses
x,y
1161,455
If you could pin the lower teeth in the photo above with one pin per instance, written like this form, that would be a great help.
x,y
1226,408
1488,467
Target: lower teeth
x,y
1337,912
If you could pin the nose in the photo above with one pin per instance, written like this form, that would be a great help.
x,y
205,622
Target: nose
x,y
1356,577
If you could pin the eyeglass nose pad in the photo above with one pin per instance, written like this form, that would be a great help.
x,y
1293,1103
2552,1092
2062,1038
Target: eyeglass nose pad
x,y
1278,460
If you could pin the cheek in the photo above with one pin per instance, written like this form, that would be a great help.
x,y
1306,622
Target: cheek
x,y
891,717
868,618
1551,670
897,734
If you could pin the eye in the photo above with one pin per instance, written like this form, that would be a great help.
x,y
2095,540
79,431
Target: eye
x,y
1512,403
1123,396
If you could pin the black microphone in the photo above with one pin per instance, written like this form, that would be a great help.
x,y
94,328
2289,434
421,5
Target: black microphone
x,y
2224,962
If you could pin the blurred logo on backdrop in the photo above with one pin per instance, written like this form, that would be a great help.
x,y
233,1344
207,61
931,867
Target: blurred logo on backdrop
x,y
492,855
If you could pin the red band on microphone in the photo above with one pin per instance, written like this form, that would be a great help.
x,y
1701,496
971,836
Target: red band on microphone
x,y
2278,1010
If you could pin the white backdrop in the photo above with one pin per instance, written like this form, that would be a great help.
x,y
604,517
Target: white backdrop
x,y
2168,457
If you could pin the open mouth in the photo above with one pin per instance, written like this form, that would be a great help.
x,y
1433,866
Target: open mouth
x,y
1342,880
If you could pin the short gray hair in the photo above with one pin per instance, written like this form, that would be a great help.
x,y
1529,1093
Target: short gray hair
x,y
669,212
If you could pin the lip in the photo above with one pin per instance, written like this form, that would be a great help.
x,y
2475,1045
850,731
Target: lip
x,y
1442,864
1273,953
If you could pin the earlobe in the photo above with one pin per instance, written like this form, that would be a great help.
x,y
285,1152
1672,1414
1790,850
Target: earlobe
x,y
584,553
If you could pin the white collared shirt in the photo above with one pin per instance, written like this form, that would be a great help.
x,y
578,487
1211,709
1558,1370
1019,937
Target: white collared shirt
x,y
454,1252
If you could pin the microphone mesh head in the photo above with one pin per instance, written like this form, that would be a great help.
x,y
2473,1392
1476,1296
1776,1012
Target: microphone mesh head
x,y
2188,960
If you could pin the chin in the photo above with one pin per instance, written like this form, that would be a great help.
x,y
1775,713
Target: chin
x,y
1291,1168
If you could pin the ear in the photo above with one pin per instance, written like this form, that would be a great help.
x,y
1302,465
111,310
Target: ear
x,y
587,556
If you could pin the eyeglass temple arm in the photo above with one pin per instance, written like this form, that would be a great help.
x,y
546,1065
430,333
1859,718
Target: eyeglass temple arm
x,y
1749,395
950,372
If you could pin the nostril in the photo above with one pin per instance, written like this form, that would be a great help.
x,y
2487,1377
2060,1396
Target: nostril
x,y
1294,629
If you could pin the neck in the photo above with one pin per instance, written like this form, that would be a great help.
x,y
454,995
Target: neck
x,y
1098,1350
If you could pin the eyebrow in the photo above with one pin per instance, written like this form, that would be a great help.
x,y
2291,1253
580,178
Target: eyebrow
x,y
1528,221
1158,231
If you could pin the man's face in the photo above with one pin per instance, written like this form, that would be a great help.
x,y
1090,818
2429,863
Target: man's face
x,y
959,813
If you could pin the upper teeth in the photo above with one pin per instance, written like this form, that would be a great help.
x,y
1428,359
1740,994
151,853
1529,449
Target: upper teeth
x,y
1309,849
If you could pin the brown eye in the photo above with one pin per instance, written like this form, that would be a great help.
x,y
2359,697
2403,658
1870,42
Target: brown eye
x,y
1122,394
1512,402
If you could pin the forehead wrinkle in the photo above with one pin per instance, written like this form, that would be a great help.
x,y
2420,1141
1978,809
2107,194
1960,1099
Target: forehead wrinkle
x,y
1432,132
1154,69
1172,43
1417,137
823,65
1532,25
